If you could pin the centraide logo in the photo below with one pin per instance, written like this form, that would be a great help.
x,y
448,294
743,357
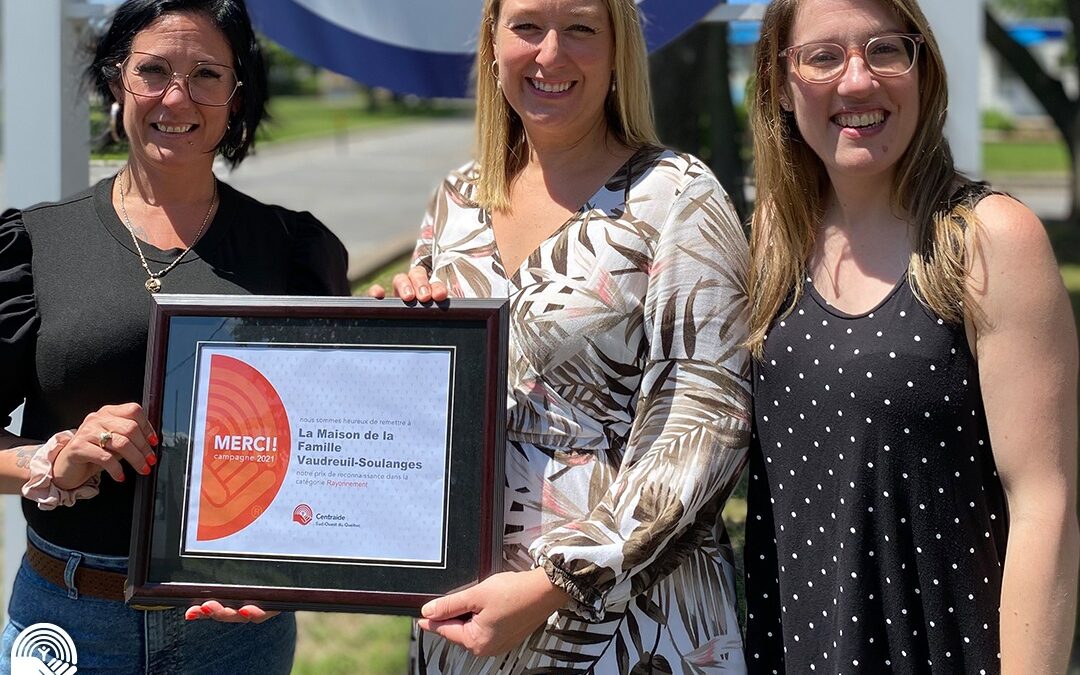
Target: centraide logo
x,y
43,648
302,514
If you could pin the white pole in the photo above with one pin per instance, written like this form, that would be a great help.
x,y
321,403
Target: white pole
x,y
959,28
45,138
45,115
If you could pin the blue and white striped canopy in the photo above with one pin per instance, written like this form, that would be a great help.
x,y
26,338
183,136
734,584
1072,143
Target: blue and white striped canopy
x,y
422,47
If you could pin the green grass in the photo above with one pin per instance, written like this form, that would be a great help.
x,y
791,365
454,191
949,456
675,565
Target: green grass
x,y
300,117
345,644
1025,157
1071,274
383,276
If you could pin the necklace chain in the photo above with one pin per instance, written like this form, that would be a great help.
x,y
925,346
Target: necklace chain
x,y
153,283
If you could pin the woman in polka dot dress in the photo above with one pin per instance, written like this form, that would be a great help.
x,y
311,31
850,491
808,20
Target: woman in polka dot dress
x,y
912,479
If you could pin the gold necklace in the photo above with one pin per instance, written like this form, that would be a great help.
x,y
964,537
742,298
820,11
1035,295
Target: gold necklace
x,y
153,283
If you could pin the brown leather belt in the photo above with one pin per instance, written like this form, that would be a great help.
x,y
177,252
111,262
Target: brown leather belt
x,y
88,581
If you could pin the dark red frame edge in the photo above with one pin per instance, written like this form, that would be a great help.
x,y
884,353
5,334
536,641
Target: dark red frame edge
x,y
495,315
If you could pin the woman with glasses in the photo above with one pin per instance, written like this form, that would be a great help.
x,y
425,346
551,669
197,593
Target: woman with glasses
x,y
912,475
75,284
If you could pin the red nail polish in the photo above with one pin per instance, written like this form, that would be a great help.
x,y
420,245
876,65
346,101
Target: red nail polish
x,y
191,615
244,613
153,439
151,459
206,610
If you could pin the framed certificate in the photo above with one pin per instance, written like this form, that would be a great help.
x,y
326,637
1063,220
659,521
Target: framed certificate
x,y
336,454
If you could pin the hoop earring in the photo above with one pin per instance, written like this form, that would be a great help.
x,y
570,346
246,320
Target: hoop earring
x,y
115,111
495,73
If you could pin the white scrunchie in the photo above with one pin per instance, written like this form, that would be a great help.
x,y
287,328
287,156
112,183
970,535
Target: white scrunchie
x,y
40,487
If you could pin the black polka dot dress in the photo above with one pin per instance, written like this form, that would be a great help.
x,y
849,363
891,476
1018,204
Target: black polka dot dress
x,y
877,525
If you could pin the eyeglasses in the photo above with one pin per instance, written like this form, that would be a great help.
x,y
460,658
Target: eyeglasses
x,y
884,55
151,75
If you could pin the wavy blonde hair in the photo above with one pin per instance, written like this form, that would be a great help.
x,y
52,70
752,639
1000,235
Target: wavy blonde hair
x,y
501,145
792,183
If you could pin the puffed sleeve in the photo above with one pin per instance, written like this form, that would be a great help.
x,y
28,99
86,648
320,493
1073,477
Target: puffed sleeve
x,y
690,433
320,261
18,313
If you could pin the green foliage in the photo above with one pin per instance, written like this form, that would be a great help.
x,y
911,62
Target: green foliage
x,y
1030,8
997,120
288,75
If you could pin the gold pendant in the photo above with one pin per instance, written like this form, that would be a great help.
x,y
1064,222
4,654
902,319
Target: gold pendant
x,y
153,285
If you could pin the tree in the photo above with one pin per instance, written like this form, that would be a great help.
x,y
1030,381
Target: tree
x,y
1048,90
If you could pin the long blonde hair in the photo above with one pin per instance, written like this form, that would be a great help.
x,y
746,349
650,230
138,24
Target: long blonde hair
x,y
502,148
792,183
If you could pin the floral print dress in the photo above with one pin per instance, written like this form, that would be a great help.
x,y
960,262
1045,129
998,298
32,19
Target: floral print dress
x,y
628,417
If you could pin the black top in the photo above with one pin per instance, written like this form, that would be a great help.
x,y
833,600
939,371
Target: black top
x,y
877,526
74,314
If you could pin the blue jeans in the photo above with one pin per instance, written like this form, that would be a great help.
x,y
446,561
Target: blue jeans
x,y
111,637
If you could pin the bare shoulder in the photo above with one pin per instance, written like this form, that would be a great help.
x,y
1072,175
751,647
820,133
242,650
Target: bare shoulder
x,y
1013,268
1005,221
1010,237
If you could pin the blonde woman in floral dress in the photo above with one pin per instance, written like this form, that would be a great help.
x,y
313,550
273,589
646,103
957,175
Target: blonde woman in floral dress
x,y
628,416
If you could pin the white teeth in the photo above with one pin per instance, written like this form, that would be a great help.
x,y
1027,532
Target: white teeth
x,y
552,88
860,120
175,130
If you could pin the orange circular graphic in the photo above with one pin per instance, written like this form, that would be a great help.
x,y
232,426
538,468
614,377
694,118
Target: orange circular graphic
x,y
245,448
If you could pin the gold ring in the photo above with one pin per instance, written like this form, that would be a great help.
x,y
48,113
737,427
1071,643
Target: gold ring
x,y
103,438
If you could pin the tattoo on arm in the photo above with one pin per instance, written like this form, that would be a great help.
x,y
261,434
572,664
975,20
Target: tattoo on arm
x,y
23,456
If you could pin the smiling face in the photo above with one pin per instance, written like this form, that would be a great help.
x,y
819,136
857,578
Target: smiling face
x,y
859,124
555,60
171,129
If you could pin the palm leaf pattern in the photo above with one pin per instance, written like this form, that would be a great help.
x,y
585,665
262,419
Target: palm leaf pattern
x,y
628,419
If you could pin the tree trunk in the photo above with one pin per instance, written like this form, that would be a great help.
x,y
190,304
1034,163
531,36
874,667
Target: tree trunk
x,y
1074,164
725,134
693,105
676,94
1050,93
